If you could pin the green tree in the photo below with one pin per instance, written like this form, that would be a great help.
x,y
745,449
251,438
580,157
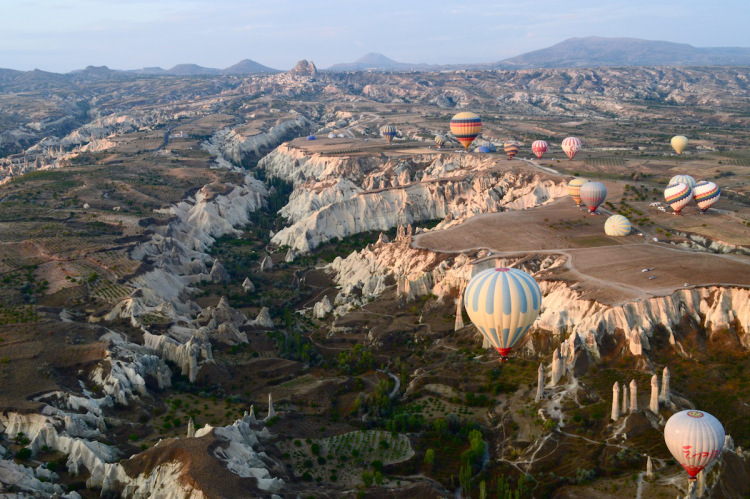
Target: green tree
x,y
429,457
367,477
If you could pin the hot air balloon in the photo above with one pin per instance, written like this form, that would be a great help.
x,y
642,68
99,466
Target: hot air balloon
x,y
388,131
706,194
311,137
503,304
593,194
439,141
489,145
695,438
617,226
481,149
570,146
679,143
574,189
678,196
465,127
685,179
511,148
539,147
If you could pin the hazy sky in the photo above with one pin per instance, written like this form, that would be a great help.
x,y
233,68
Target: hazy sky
x,y
62,35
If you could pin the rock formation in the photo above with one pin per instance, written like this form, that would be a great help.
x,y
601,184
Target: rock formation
x,y
664,395
701,485
322,308
459,324
558,367
218,273
248,286
615,401
633,396
654,403
539,383
263,320
266,264
649,468
304,68
271,411
625,408
290,256
191,428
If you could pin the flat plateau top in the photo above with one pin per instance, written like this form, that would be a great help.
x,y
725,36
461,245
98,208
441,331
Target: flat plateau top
x,y
608,269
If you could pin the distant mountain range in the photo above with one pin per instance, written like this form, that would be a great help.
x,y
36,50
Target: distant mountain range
x,y
379,62
596,51
574,52
580,52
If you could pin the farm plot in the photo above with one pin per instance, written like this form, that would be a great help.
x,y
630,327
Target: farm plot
x,y
342,458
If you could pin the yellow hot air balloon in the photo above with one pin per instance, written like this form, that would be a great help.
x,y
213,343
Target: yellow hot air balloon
x,y
465,127
574,189
679,143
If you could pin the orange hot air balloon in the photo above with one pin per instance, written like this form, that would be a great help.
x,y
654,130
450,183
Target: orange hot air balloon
x,y
466,127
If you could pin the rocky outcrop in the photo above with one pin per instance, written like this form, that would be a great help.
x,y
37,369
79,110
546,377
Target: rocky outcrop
x,y
236,146
263,320
322,308
248,286
304,68
218,273
464,197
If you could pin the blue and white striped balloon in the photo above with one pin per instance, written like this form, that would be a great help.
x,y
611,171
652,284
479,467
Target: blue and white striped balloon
x,y
685,179
503,304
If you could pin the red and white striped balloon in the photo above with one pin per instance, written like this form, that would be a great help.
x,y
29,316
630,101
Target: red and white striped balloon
x,y
570,146
539,147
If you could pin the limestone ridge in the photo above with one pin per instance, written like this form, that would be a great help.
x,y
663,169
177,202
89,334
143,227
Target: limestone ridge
x,y
363,274
453,187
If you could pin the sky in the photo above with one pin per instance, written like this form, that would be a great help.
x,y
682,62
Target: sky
x,y
63,35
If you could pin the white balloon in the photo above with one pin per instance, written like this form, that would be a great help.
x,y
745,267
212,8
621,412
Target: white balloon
x,y
695,438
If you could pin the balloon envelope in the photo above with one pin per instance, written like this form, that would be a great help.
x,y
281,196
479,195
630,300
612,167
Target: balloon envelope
x,y
311,137
706,194
539,147
465,127
695,438
678,196
679,143
617,226
503,304
570,146
481,149
388,131
439,141
574,189
685,179
593,194
511,148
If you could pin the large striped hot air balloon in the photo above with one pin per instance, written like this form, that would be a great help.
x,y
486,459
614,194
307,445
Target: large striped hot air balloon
x,y
679,143
439,141
511,148
685,179
465,127
706,194
574,189
695,439
570,146
539,147
388,131
617,226
503,304
678,196
593,194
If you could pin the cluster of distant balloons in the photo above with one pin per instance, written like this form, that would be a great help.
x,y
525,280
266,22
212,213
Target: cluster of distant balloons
x,y
503,303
